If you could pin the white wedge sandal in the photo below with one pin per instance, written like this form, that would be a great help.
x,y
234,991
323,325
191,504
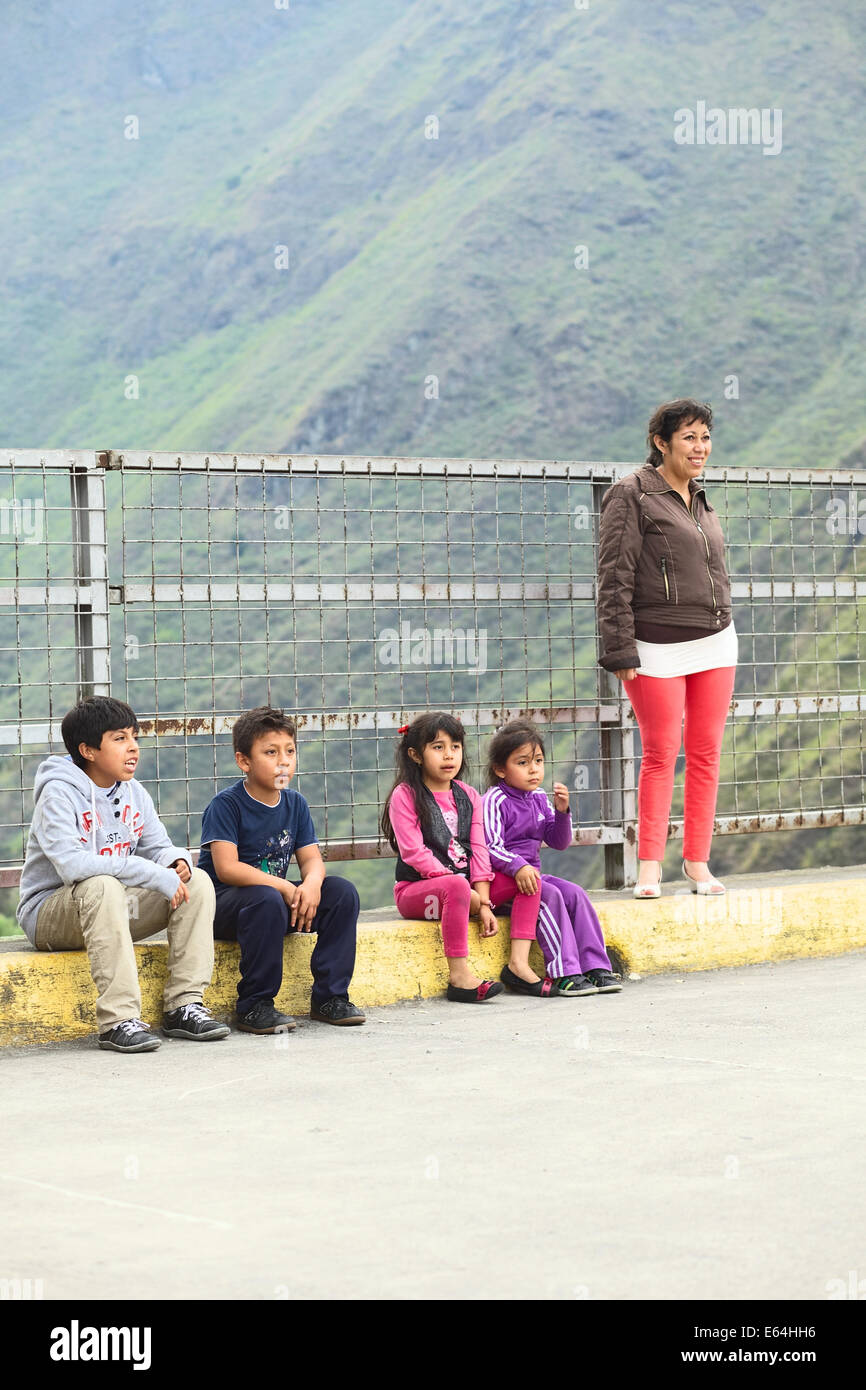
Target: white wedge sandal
x,y
648,890
708,887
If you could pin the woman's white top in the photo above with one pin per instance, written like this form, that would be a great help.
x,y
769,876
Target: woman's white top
x,y
665,659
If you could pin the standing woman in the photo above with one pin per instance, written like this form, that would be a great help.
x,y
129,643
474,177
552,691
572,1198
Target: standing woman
x,y
664,618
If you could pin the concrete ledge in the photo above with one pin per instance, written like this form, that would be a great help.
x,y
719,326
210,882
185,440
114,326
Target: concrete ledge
x,y
46,997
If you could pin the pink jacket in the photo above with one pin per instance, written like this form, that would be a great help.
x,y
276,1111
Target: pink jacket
x,y
407,833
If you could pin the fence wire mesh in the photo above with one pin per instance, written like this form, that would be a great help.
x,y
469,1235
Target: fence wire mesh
x,y
357,592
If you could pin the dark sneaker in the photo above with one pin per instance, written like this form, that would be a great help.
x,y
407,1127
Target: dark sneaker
x,y
193,1021
264,1018
130,1036
605,981
572,986
338,1011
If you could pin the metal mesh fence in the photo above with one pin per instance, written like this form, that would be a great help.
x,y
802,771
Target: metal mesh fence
x,y
357,592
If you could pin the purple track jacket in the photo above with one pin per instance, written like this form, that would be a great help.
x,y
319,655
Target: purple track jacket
x,y
517,823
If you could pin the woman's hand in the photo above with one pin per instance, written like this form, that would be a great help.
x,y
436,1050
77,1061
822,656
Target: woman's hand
x,y
628,675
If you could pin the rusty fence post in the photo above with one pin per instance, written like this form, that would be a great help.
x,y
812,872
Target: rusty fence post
x,y
90,574
618,784
618,788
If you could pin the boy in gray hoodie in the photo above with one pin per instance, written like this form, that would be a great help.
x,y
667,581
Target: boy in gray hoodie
x,y
100,872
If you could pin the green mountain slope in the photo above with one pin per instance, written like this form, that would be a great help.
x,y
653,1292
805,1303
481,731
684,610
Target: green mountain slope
x,y
411,258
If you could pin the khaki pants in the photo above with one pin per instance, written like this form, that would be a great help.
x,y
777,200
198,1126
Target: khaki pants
x,y
103,917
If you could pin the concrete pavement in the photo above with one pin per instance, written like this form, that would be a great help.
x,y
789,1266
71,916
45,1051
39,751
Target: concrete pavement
x,y
697,1136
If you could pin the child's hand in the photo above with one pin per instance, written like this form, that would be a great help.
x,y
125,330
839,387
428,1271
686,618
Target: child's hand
x,y
287,889
305,904
527,879
489,924
560,796
181,896
181,868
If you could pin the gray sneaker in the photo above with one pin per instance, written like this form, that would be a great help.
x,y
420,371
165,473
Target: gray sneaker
x,y
130,1036
574,986
605,981
195,1022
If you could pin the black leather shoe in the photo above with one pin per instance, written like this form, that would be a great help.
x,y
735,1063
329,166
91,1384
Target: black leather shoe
x,y
488,989
264,1018
338,1011
540,989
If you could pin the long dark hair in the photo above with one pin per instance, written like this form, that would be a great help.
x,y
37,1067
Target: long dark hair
x,y
420,732
505,741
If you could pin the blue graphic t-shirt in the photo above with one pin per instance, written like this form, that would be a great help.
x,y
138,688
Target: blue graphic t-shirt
x,y
266,836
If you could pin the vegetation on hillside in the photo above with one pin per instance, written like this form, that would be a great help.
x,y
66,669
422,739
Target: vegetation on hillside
x,y
417,228
430,170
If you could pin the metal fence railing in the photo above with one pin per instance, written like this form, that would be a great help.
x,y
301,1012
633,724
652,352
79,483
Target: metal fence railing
x,y
356,592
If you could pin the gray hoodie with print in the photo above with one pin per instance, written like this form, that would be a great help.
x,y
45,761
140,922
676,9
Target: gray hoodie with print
x,y
80,830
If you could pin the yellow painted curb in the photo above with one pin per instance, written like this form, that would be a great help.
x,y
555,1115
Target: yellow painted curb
x,y
768,920
50,996
46,996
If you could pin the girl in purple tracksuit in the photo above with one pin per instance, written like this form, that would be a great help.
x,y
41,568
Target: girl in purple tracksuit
x,y
518,818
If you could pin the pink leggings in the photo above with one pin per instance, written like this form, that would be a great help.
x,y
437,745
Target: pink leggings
x,y
524,909
445,897
659,704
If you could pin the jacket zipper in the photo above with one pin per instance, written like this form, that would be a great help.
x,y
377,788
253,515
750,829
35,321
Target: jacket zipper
x,y
706,547
664,564
709,576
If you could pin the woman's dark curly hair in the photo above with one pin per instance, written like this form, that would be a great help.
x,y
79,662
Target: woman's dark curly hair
x,y
669,418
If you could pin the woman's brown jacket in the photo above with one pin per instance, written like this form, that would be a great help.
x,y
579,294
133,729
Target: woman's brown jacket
x,y
657,562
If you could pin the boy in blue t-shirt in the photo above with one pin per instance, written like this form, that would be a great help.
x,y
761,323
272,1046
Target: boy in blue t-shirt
x,y
249,834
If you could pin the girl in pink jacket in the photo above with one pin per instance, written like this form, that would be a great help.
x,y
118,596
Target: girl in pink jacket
x,y
434,822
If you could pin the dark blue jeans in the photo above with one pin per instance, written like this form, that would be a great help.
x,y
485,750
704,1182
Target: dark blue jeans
x,y
257,917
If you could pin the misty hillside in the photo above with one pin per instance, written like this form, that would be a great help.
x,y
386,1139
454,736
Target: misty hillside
x,y
413,265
